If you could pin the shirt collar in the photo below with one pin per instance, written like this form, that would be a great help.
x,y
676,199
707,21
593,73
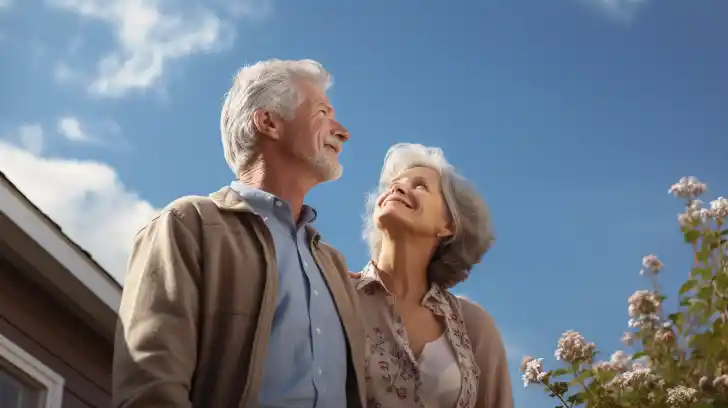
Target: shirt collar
x,y
370,276
264,202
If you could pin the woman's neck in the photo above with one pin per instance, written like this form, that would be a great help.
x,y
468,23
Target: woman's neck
x,y
403,263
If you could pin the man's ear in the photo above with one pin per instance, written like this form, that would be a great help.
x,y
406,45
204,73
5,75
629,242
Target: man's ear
x,y
267,123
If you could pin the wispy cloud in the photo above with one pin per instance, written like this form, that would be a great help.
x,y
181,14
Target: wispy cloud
x,y
149,37
70,128
85,198
623,11
98,132
5,4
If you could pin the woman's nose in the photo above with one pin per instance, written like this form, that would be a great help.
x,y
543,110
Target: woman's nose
x,y
399,189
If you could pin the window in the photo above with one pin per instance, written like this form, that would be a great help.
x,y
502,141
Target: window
x,y
25,382
17,394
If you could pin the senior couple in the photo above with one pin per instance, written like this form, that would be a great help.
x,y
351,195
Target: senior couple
x,y
235,300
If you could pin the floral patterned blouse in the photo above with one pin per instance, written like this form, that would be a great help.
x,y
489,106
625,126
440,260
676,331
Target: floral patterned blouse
x,y
393,376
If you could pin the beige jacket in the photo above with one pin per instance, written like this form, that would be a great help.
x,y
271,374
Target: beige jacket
x,y
198,305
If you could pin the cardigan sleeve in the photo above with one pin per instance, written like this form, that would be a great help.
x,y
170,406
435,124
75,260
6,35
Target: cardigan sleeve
x,y
494,387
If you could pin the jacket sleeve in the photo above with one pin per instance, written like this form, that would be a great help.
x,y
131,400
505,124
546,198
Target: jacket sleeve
x,y
494,387
155,350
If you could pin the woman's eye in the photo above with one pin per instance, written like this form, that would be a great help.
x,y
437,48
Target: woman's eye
x,y
421,186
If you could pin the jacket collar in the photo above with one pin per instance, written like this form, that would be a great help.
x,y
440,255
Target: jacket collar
x,y
228,199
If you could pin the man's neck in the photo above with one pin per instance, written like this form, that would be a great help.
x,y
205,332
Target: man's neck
x,y
289,185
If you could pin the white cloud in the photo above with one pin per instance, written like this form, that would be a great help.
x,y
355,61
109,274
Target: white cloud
x,y
620,10
31,138
70,128
85,198
5,4
149,37
96,132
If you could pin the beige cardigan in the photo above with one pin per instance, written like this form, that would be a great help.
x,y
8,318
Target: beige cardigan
x,y
494,388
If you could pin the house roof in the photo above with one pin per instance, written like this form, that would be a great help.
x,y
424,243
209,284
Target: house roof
x,y
59,262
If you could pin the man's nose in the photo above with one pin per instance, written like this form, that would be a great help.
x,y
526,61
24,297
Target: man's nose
x,y
340,132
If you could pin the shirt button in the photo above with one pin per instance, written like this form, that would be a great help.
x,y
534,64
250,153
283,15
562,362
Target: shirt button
x,y
320,371
318,331
278,204
315,292
305,263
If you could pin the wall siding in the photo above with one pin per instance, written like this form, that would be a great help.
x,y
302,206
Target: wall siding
x,y
42,327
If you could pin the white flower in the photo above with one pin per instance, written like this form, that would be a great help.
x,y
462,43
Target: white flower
x,y
643,302
645,321
688,187
533,372
572,347
681,396
694,214
719,208
652,264
634,379
619,357
642,363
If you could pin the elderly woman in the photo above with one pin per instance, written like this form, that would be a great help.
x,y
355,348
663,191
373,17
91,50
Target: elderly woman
x,y
426,228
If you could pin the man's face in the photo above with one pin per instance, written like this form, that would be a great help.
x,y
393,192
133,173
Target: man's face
x,y
313,135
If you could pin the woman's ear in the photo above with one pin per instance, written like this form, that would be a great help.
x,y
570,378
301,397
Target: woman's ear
x,y
446,232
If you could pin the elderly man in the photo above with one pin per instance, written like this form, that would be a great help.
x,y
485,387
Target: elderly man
x,y
233,300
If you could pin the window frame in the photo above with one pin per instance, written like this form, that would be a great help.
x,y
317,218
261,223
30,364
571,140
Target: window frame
x,y
51,383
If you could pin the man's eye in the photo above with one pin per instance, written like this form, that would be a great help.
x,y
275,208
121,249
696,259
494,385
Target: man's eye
x,y
323,111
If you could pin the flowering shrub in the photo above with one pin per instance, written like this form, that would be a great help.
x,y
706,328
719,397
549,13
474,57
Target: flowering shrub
x,y
680,360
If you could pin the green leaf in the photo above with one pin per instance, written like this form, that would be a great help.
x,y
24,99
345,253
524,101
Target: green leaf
x,y
703,272
705,293
692,236
576,399
724,232
688,286
676,319
560,372
704,254
638,354
583,376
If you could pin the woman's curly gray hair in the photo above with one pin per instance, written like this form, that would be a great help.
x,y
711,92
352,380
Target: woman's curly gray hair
x,y
473,235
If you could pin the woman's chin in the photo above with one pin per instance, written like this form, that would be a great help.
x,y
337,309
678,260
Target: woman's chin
x,y
393,221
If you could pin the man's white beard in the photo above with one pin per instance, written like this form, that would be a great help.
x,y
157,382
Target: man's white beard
x,y
328,169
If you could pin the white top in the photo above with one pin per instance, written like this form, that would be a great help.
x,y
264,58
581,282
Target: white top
x,y
440,374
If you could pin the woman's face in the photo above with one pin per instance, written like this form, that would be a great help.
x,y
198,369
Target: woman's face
x,y
414,202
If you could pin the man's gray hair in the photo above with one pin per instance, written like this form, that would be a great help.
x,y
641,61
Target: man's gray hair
x,y
265,85
469,214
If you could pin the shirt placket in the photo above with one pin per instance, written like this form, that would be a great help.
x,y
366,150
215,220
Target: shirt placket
x,y
412,378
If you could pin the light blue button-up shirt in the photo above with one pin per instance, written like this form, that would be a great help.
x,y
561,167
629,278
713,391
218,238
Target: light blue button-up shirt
x,y
306,360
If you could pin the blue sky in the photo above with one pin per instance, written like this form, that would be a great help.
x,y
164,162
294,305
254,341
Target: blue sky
x,y
572,117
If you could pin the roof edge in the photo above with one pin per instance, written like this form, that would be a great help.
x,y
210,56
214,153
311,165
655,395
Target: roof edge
x,y
41,228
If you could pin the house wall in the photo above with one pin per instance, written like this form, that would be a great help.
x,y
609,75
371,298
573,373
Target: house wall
x,y
43,328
